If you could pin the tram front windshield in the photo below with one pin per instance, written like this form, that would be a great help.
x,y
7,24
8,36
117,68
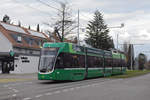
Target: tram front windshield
x,y
47,59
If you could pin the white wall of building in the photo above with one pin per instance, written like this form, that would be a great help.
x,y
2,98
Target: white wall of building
x,y
26,67
5,45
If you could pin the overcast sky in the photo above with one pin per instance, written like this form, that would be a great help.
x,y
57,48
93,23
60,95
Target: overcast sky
x,y
133,13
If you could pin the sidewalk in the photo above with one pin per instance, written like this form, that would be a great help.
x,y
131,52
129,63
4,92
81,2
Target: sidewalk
x,y
6,78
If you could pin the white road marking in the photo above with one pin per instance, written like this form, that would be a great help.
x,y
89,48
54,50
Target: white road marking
x,y
65,90
48,93
28,82
84,86
27,98
78,87
71,89
95,84
56,92
38,96
14,95
15,90
14,84
10,88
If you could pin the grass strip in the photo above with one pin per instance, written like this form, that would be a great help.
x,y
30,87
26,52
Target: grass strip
x,y
131,73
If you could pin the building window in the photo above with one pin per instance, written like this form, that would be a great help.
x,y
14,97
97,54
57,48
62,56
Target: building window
x,y
29,40
38,42
17,38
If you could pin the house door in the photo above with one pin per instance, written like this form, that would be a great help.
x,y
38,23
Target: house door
x,y
5,67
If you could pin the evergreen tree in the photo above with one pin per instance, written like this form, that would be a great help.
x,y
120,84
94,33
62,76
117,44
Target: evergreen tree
x,y
142,59
29,27
98,33
19,24
38,27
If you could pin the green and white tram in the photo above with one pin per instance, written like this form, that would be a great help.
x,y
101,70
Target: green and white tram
x,y
67,61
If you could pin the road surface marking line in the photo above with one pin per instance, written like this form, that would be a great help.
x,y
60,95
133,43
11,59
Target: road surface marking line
x,y
15,84
56,92
27,99
65,90
15,90
38,96
84,86
10,88
78,87
14,95
27,82
71,89
48,93
93,85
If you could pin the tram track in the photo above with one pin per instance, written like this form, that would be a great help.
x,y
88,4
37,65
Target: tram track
x,y
37,89
47,85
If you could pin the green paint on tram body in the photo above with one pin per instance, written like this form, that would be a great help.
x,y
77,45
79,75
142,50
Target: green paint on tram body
x,y
81,73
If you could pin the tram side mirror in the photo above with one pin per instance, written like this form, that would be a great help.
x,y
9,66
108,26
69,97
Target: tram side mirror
x,y
16,66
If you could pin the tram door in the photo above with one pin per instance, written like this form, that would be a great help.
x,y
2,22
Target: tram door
x,y
86,67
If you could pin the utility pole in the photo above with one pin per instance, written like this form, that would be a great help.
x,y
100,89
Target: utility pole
x,y
121,26
63,20
131,57
117,40
78,38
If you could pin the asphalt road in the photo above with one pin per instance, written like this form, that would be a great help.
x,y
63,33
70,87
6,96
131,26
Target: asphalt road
x,y
29,88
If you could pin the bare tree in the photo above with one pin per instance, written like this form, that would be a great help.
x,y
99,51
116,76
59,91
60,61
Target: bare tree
x,y
64,23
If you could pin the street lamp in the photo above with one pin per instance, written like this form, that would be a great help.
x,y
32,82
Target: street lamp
x,y
121,26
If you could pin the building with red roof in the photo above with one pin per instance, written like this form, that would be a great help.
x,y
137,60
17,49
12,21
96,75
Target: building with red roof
x,y
20,48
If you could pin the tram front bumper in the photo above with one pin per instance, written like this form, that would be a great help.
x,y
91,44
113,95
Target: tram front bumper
x,y
45,76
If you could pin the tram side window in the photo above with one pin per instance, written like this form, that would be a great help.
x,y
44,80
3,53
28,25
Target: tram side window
x,y
107,62
101,62
123,63
78,61
90,61
66,60
115,63
97,62
119,63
